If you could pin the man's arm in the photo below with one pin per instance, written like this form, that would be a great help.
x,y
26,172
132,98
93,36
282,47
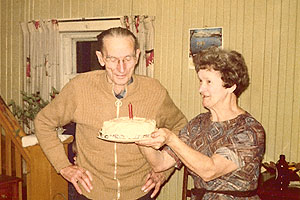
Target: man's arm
x,y
168,116
57,113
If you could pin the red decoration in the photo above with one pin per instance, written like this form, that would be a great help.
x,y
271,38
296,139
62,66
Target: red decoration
x,y
27,67
137,23
37,24
130,111
149,57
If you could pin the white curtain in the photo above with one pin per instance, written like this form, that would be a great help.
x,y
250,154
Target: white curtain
x,y
41,52
41,57
143,28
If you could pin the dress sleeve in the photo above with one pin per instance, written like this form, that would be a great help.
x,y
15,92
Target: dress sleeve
x,y
246,144
230,155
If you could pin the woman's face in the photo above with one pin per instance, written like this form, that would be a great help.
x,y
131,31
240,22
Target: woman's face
x,y
211,89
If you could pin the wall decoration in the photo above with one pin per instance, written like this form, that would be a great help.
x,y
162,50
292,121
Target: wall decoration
x,y
202,38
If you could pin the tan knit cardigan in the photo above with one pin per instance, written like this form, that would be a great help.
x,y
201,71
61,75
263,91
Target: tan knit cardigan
x,y
88,101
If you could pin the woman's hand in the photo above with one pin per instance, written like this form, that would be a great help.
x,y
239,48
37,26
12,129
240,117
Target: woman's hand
x,y
158,139
159,160
75,174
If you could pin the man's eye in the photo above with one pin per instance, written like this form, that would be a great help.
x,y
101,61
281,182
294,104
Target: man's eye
x,y
128,58
113,59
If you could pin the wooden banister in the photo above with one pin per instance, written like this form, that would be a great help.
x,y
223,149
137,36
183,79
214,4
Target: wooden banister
x,y
39,173
13,130
13,152
8,115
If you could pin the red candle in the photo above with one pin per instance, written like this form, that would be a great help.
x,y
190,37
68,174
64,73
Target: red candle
x,y
130,111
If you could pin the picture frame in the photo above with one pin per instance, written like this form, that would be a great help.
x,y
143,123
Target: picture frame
x,y
203,38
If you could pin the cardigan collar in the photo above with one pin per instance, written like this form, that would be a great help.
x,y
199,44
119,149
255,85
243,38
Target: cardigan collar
x,y
131,87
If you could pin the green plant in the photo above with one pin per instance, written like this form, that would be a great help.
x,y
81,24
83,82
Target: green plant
x,y
32,104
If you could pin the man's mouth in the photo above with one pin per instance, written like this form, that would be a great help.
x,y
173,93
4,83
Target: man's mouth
x,y
121,76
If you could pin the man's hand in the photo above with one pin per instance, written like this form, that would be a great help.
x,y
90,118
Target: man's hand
x,y
75,174
154,180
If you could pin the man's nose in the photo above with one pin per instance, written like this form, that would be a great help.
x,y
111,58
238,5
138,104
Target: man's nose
x,y
121,66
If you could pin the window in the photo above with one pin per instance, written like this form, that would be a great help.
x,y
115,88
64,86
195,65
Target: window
x,y
78,45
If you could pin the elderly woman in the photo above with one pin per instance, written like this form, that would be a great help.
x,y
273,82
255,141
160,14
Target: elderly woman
x,y
222,148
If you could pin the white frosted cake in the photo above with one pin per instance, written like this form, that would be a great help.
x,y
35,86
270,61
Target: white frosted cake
x,y
125,129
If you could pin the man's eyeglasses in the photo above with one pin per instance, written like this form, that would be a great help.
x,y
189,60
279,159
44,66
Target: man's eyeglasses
x,y
115,61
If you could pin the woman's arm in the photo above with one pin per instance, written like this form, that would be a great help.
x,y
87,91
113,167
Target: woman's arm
x,y
159,160
208,168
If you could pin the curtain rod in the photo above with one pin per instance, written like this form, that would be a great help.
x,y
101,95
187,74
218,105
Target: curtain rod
x,y
88,19
79,19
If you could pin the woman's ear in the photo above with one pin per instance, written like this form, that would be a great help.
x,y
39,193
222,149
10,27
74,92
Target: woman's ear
x,y
232,88
100,58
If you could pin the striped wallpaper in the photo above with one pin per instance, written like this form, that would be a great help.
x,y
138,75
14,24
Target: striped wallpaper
x,y
266,32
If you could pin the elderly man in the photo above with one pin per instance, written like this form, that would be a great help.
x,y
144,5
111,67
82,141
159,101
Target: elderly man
x,y
104,169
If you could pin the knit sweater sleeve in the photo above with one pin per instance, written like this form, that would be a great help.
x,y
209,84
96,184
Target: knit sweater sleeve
x,y
170,117
58,112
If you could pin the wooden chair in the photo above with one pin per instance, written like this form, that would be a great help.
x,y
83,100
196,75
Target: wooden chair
x,y
9,187
186,193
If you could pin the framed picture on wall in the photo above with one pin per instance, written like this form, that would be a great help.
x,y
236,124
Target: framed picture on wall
x,y
202,38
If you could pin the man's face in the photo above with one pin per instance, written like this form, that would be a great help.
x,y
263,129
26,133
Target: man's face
x,y
119,58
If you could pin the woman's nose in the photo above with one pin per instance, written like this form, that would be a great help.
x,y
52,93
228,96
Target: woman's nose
x,y
201,88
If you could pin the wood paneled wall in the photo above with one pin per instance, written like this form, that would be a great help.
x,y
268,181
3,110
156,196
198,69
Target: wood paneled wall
x,y
266,32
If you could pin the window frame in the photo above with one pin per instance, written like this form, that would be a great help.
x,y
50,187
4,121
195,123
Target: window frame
x,y
70,32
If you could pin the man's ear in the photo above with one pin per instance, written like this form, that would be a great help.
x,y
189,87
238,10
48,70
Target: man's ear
x,y
100,58
137,54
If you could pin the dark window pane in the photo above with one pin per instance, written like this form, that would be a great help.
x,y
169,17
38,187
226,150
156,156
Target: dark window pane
x,y
86,56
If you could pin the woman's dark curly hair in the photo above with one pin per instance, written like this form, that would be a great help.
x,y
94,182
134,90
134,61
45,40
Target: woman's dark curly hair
x,y
230,64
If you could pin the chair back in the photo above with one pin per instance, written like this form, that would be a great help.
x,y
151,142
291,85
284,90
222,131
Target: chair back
x,y
186,193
